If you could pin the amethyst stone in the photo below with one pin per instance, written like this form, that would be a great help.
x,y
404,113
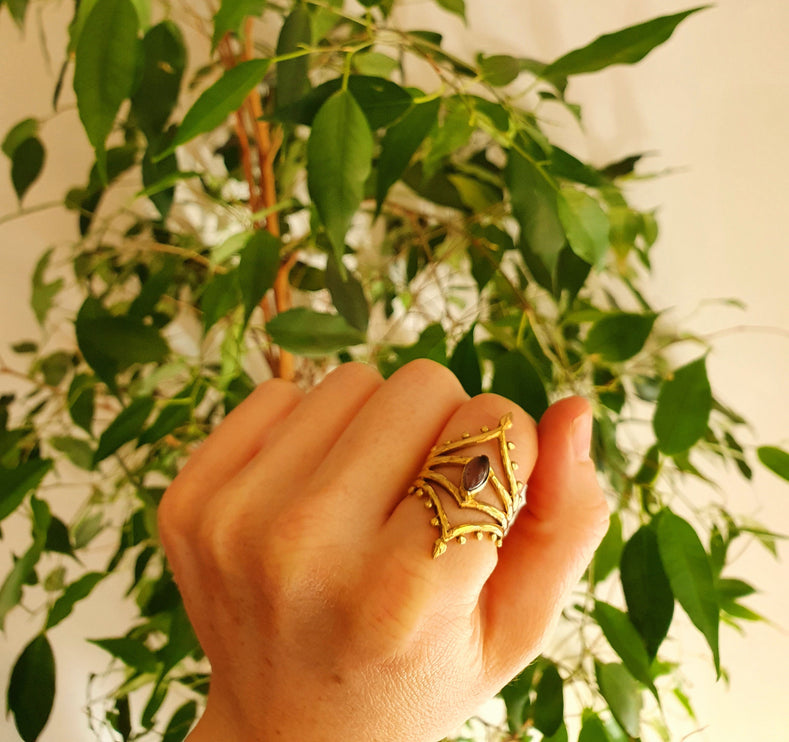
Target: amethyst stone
x,y
475,474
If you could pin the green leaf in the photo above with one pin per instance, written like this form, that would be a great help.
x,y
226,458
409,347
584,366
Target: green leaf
x,y
18,135
16,483
593,729
124,428
180,723
27,163
18,10
432,344
77,450
338,166
650,601
623,695
549,704
54,367
258,269
105,70
348,296
627,46
608,554
81,401
534,206
499,69
31,689
131,652
111,344
516,379
230,17
585,224
308,333
775,459
87,528
220,296
175,413
458,7
292,74
44,293
216,103
465,364
516,698
58,539
690,575
75,592
625,641
401,142
619,336
683,408
157,93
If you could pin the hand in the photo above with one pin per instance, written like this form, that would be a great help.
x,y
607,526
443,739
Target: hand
x,y
308,572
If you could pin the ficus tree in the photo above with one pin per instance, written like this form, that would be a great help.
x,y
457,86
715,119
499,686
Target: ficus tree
x,y
279,187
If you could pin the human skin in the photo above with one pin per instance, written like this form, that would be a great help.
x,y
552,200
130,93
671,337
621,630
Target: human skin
x,y
308,573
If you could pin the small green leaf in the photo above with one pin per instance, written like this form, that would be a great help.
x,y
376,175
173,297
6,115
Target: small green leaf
x,y
87,528
516,698
31,689
221,295
75,592
608,554
549,704
18,135
224,97
292,74
176,413
131,652
230,17
516,379
180,723
58,538
775,459
27,163
593,729
623,695
585,224
625,641
627,46
466,366
401,143
683,408
432,344
157,93
337,169
348,296
44,293
619,336
124,428
16,483
105,70
81,401
499,69
458,7
690,575
308,333
650,602
77,450
258,268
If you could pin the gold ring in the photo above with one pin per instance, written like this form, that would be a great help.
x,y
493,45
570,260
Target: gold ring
x,y
476,476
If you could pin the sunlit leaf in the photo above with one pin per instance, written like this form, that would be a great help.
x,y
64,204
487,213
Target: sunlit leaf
x,y
129,651
216,103
75,592
44,293
77,450
775,459
309,333
18,134
105,70
623,695
690,575
683,408
180,723
585,224
230,17
627,46
608,554
221,294
16,483
337,169
499,69
650,601
258,268
31,689
592,729
458,7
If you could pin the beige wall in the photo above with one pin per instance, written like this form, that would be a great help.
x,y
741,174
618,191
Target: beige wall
x,y
714,104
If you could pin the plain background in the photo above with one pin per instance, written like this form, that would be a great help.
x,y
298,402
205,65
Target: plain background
x,y
713,106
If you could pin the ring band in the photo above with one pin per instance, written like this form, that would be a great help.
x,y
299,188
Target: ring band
x,y
476,475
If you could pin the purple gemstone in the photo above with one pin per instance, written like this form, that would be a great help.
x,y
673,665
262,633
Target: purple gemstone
x,y
475,474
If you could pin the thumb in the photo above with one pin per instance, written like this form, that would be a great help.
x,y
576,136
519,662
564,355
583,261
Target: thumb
x,y
551,542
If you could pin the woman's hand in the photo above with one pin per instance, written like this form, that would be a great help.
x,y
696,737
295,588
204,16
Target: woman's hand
x,y
308,572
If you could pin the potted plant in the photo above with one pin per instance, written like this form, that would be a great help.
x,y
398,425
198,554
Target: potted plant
x,y
280,194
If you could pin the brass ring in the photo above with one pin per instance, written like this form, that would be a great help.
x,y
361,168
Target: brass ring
x,y
476,476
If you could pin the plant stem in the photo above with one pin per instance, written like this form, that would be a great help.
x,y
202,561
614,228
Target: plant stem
x,y
29,210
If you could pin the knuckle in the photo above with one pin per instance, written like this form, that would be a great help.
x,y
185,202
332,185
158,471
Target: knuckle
x,y
423,371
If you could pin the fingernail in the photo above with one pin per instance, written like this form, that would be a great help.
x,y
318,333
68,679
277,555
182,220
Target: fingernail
x,y
582,436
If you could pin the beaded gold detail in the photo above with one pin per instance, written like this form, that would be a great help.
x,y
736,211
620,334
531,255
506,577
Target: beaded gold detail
x,y
476,475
